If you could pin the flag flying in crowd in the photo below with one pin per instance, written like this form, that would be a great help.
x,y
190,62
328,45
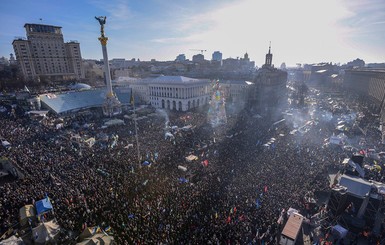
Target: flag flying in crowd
x,y
205,163
26,89
146,163
95,230
105,232
183,180
228,220
257,203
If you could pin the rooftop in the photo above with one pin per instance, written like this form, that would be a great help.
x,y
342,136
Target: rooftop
x,y
356,185
293,225
73,101
382,70
177,80
40,25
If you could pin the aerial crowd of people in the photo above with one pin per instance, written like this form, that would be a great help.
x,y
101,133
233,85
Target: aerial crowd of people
x,y
233,192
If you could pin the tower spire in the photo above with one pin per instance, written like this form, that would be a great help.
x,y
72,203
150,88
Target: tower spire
x,y
269,47
269,57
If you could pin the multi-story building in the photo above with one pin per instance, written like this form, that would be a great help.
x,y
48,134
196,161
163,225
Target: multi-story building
x,y
24,58
74,58
321,73
117,63
198,58
236,92
181,57
269,86
140,88
217,56
173,92
356,63
370,84
44,55
4,61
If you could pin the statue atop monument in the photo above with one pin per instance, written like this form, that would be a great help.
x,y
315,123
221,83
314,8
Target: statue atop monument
x,y
111,105
102,22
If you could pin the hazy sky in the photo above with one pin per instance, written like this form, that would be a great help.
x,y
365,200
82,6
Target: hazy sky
x,y
301,31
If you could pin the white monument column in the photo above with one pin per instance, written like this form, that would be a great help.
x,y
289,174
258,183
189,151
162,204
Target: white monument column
x,y
112,105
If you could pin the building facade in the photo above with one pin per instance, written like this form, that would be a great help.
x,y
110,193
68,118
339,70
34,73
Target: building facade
x,y
236,90
198,58
369,83
74,58
44,55
181,57
217,56
269,86
173,92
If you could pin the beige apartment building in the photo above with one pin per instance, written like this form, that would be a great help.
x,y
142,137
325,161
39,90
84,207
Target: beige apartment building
x,y
45,55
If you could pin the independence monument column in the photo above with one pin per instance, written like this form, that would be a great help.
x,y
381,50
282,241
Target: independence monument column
x,y
111,104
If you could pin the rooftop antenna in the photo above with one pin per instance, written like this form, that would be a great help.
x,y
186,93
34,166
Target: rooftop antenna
x,y
269,46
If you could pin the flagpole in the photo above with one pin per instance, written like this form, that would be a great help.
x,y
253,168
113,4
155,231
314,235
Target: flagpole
x,y
136,129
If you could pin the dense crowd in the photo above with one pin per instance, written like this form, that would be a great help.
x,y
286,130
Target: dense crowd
x,y
234,193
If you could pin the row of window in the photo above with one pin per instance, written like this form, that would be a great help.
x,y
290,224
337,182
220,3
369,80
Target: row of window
x,y
161,99
173,92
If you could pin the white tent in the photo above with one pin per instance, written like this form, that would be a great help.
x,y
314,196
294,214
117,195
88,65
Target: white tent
x,y
25,213
94,235
91,141
168,135
114,122
45,232
97,239
13,240
5,143
39,113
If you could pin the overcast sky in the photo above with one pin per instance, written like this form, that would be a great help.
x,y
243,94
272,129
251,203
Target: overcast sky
x,y
300,31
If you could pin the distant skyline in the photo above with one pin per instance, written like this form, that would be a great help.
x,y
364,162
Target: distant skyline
x,y
300,31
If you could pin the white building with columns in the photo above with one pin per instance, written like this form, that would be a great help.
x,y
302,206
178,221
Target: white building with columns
x,y
173,92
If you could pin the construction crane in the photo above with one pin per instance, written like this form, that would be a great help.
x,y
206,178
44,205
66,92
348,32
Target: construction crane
x,y
200,50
